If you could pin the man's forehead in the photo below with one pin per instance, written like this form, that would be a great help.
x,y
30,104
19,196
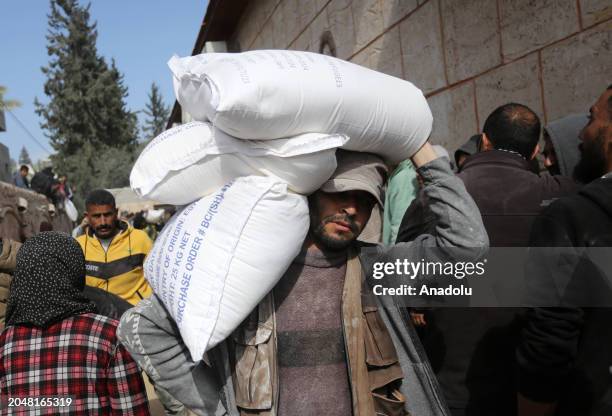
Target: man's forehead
x,y
93,208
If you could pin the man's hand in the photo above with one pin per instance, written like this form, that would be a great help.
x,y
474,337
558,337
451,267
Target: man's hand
x,y
418,318
424,155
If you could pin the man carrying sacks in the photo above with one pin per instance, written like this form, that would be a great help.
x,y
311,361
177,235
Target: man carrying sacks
x,y
315,344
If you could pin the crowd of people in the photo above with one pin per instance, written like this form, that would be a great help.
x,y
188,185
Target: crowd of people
x,y
82,321
46,182
58,194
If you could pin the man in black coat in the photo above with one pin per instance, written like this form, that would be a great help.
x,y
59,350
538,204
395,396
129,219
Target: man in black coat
x,y
473,350
565,354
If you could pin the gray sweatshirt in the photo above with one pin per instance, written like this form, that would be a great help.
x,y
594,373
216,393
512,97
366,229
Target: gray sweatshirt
x,y
153,340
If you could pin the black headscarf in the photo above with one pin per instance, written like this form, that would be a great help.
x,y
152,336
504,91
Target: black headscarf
x,y
48,281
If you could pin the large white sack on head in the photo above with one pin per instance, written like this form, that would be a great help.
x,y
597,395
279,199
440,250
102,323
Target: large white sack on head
x,y
275,93
217,258
192,160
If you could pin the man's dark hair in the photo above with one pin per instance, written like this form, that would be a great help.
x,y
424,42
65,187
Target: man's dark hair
x,y
139,222
100,197
513,127
24,167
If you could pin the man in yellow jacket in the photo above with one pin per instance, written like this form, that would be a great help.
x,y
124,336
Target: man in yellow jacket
x,y
114,250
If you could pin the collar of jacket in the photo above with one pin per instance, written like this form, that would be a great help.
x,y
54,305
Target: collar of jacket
x,y
253,351
497,158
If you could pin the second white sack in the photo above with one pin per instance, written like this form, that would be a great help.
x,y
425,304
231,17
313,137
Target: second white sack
x,y
190,161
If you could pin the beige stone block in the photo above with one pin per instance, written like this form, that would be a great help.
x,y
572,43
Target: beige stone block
x,y
576,71
289,10
321,4
527,25
302,43
382,55
454,116
595,11
421,40
515,82
267,7
265,39
280,27
306,11
471,38
319,26
395,10
368,21
342,27
248,27
257,43
310,39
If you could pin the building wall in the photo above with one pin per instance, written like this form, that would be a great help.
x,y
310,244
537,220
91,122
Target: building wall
x,y
5,164
20,225
468,56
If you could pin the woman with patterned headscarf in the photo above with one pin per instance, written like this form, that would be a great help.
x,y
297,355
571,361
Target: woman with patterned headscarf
x,y
55,346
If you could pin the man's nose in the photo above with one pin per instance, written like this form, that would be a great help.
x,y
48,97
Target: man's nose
x,y
350,207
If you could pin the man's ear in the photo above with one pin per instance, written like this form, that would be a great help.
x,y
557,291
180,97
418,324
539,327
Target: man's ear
x,y
536,151
485,143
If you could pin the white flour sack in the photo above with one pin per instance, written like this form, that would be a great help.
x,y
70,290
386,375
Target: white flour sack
x,y
217,258
192,160
276,93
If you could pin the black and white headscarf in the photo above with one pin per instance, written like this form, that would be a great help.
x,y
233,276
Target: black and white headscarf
x,y
48,282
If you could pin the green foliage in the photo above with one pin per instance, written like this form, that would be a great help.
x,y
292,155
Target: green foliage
x,y
86,118
24,157
157,114
7,104
97,167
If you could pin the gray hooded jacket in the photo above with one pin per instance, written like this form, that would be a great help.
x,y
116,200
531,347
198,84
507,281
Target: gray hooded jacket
x,y
564,136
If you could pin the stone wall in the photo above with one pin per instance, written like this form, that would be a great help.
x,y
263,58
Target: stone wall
x,y
468,56
19,225
5,164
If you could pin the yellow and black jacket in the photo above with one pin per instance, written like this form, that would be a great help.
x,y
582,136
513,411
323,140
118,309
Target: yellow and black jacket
x,y
118,270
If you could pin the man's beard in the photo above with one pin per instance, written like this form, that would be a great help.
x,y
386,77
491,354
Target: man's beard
x,y
335,244
593,163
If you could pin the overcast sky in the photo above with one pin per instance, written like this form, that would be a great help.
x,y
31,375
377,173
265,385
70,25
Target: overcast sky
x,y
140,34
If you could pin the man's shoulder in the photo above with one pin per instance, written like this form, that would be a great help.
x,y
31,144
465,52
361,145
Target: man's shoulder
x,y
139,234
570,207
82,239
140,239
557,185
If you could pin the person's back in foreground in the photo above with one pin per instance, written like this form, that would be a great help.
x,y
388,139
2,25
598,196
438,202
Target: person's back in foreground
x,y
56,347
